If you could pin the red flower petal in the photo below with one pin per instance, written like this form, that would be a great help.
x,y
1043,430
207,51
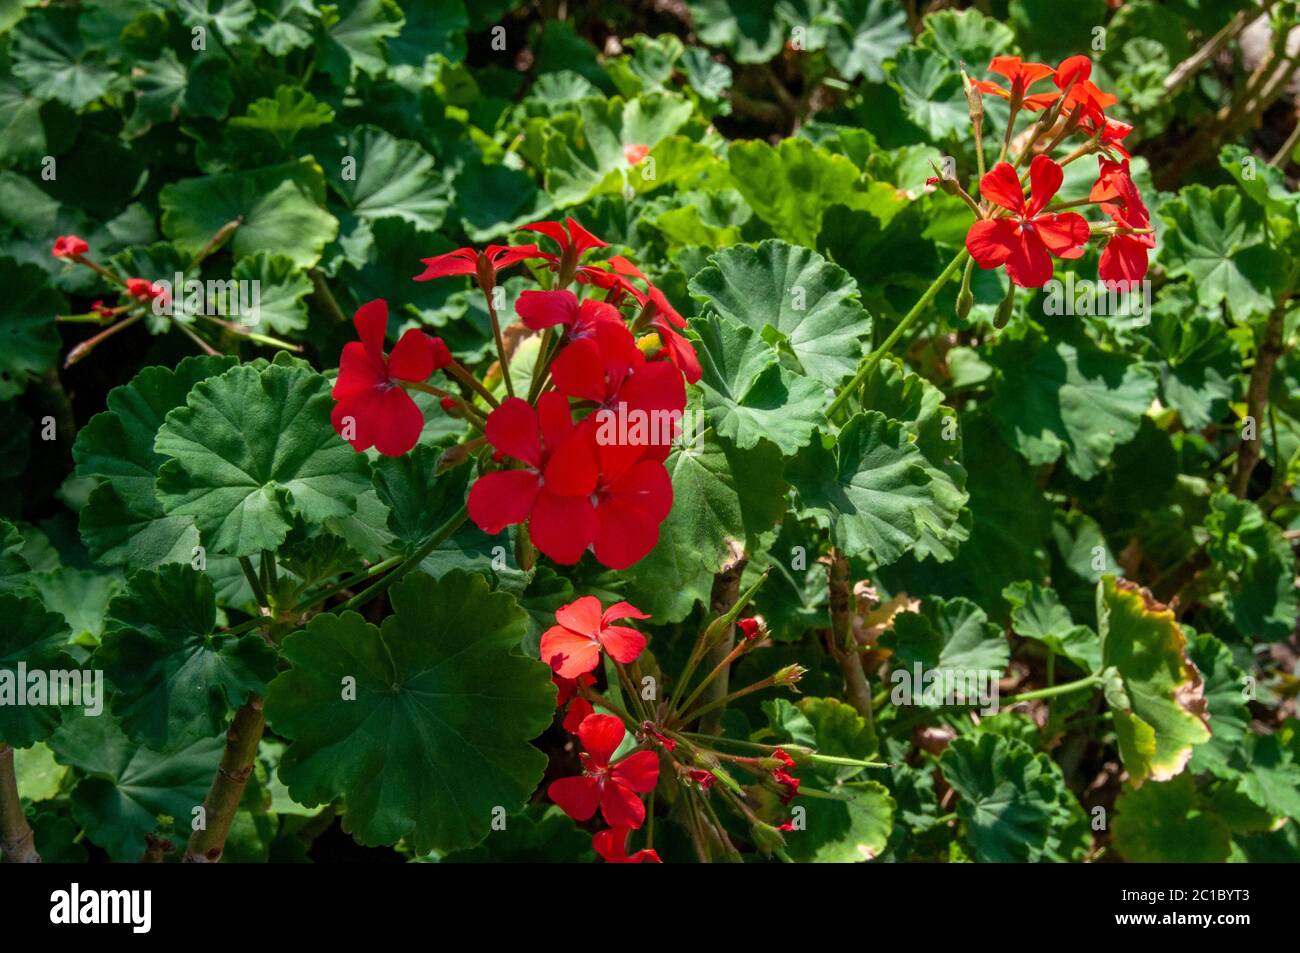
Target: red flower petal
x,y
562,527
1030,265
600,736
577,797
412,357
371,321
579,709
621,807
1065,234
623,644
580,653
579,371
581,615
544,309
513,430
639,771
582,239
992,241
358,372
1044,182
572,469
501,499
1001,185
1124,260
621,610
462,261
399,423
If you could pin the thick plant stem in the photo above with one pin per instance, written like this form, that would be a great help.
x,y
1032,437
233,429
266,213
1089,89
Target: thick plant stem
x,y
876,356
844,649
726,590
207,845
1261,376
17,841
409,563
1185,70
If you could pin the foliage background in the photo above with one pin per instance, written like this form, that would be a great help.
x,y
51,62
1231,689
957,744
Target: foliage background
x,y
774,166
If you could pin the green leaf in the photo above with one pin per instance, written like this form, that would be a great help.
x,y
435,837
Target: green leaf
x,y
419,499
387,177
284,25
966,35
1013,802
1160,714
37,639
29,341
1060,394
53,61
1169,823
125,787
748,395
282,211
282,288
437,735
578,171
954,635
749,29
22,137
1257,566
790,186
903,395
1225,698
810,304
1270,770
123,522
291,111
931,91
229,18
175,679
251,450
1037,613
168,88
432,29
845,831
354,38
80,596
1217,239
722,497
1198,367
540,835
865,35
876,488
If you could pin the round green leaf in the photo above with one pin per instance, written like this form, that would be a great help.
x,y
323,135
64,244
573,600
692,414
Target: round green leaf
x,y
422,724
251,450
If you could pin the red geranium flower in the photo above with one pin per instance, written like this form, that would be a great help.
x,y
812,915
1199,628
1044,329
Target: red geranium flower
x,y
612,846
69,246
1022,75
144,290
635,153
1080,93
616,788
545,309
784,778
553,491
750,627
1026,240
483,265
573,647
677,350
705,779
572,238
382,414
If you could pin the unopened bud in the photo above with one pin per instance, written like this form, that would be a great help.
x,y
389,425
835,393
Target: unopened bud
x,y
789,676
1003,314
766,837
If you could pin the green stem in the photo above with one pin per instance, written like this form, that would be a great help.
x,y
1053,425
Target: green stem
x,y
409,563
876,356
500,342
1063,689
254,582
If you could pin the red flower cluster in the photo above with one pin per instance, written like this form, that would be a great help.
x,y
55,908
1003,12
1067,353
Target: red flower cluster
x,y
784,779
613,788
372,409
1020,233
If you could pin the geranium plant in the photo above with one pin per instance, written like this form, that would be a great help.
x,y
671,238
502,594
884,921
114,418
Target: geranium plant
x,y
838,432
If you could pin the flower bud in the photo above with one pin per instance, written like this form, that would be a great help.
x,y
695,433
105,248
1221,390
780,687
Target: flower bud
x,y
789,676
